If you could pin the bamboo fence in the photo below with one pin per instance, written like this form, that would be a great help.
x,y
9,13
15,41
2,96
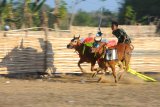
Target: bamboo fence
x,y
20,53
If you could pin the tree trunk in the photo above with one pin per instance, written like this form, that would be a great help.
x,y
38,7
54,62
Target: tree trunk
x,y
11,15
27,15
44,20
75,3
56,13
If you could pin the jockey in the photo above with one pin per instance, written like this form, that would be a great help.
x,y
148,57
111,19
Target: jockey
x,y
89,39
120,34
99,37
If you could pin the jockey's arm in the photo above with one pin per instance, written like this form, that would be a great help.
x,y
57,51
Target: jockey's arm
x,y
125,37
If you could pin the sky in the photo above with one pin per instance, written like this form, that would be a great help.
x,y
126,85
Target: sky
x,y
91,5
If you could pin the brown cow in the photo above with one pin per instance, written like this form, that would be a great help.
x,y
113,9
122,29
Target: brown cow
x,y
123,52
84,54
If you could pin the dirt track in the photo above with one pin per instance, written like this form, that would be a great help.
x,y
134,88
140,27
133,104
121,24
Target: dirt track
x,y
78,91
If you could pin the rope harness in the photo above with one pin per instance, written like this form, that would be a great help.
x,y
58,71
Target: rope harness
x,y
104,51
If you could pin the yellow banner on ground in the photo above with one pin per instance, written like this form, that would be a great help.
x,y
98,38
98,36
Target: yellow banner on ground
x,y
142,76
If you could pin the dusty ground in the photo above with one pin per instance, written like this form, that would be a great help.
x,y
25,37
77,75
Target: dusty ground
x,y
78,91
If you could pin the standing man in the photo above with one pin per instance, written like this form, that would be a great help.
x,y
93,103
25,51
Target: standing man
x,y
120,34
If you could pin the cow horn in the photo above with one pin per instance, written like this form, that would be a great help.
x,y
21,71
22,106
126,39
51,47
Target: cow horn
x,y
77,36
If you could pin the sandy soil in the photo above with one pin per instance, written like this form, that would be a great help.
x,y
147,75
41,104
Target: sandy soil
x,y
78,91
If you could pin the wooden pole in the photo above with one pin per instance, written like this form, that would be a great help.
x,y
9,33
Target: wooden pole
x,y
56,14
45,27
26,33
5,34
46,47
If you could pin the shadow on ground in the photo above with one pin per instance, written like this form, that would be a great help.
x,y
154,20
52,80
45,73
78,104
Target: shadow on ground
x,y
82,78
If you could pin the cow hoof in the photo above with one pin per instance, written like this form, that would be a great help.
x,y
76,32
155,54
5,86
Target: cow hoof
x,y
116,81
99,80
94,74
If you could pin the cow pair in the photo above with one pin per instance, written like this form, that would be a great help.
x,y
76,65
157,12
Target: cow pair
x,y
93,54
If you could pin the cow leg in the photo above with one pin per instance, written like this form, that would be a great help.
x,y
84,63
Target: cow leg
x,y
103,67
103,75
79,65
120,65
112,65
126,63
128,52
92,66
101,78
97,71
100,68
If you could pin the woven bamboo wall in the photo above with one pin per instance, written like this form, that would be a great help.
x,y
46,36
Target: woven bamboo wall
x,y
20,54
26,54
145,57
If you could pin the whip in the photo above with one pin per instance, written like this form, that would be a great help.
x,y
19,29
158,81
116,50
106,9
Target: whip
x,y
100,20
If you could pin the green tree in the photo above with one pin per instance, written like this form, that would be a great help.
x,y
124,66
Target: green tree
x,y
60,14
82,18
63,15
146,10
130,15
31,9
108,17
5,12
24,13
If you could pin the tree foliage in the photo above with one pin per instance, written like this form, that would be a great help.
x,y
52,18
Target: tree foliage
x,y
84,18
130,15
35,13
23,13
63,15
141,11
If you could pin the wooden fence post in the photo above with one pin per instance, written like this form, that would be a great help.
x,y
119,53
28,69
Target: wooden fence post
x,y
26,32
46,47
5,34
